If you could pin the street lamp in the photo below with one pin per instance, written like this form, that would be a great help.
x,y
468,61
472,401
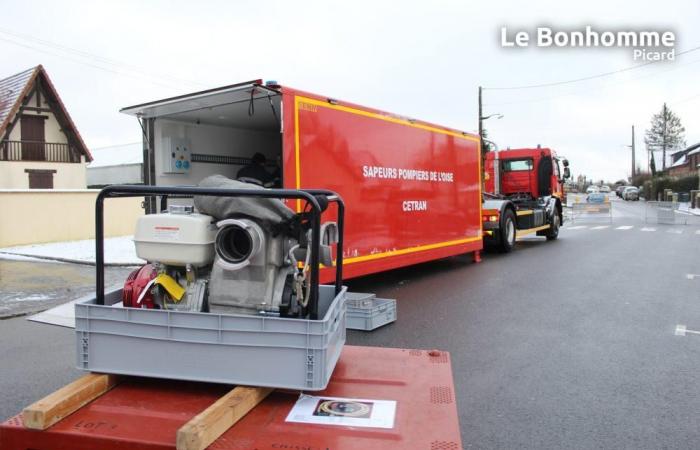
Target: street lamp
x,y
481,127
482,118
482,150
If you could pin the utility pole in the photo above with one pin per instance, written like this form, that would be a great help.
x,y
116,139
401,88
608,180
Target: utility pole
x,y
480,113
633,159
482,153
481,127
663,163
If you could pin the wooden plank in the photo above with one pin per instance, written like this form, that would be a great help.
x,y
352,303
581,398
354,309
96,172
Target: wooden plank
x,y
207,426
68,399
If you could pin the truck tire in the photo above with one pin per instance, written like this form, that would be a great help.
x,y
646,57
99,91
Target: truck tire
x,y
553,231
507,232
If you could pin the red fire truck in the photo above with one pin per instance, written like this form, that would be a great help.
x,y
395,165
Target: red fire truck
x,y
412,189
525,194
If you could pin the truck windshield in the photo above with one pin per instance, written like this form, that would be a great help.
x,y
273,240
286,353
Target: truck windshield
x,y
514,165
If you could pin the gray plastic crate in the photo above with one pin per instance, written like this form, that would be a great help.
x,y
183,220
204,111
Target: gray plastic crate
x,y
369,313
359,299
220,348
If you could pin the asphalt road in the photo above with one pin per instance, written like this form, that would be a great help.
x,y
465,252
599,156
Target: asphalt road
x,y
31,286
564,344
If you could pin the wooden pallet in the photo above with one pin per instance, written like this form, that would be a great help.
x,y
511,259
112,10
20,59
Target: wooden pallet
x,y
197,434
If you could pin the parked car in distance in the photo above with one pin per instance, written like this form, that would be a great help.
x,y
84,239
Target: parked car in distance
x,y
596,197
605,189
630,193
619,189
592,189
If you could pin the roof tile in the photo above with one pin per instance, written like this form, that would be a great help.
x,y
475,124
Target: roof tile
x,y
10,90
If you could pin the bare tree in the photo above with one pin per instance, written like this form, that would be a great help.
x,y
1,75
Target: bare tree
x,y
666,133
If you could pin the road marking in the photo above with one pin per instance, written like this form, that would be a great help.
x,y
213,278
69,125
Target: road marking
x,y
675,231
692,276
625,227
578,227
600,227
681,330
648,229
697,231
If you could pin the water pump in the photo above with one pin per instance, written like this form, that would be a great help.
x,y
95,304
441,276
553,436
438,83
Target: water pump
x,y
231,255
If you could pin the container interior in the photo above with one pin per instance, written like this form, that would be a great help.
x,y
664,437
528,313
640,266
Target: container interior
x,y
221,130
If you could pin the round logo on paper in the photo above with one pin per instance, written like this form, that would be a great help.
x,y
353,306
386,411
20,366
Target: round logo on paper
x,y
344,409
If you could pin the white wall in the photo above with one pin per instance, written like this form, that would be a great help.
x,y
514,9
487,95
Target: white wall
x,y
122,174
67,176
16,132
212,140
45,215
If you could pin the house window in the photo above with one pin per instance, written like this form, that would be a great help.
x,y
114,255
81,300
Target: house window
x,y
33,138
40,179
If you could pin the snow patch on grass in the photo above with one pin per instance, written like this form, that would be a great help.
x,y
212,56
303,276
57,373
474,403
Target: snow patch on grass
x,y
118,250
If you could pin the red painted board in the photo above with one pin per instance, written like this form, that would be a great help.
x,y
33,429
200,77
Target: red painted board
x,y
142,414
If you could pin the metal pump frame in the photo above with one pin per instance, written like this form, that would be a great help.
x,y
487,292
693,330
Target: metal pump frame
x,y
118,191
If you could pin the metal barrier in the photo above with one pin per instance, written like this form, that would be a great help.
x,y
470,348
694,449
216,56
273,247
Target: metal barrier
x,y
669,213
591,211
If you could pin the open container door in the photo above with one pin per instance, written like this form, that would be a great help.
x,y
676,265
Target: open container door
x,y
217,131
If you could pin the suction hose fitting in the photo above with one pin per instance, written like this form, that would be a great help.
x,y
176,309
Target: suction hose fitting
x,y
237,242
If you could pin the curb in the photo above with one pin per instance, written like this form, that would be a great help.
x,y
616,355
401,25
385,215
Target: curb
x,y
72,261
30,312
22,314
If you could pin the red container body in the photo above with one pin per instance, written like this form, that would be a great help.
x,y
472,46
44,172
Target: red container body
x,y
412,189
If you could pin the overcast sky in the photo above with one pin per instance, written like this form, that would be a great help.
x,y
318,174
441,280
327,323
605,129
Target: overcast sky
x,y
422,59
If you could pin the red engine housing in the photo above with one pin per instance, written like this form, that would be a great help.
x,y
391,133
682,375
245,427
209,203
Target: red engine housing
x,y
136,282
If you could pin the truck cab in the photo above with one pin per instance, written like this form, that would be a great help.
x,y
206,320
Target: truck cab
x,y
524,194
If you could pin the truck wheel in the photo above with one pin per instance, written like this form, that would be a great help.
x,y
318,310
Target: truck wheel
x,y
508,232
553,231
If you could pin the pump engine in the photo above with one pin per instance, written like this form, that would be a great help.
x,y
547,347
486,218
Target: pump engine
x,y
233,255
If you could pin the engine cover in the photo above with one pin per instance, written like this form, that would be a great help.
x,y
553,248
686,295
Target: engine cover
x,y
176,238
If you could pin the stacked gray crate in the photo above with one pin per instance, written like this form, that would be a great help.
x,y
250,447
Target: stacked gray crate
x,y
367,312
220,348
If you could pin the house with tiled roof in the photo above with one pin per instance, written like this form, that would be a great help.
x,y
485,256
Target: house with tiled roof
x,y
685,162
40,146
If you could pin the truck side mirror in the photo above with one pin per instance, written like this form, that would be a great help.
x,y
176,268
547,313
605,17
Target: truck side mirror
x,y
567,173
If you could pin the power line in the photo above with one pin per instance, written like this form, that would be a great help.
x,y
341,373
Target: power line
x,y
93,56
85,63
687,99
578,91
591,77
92,60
